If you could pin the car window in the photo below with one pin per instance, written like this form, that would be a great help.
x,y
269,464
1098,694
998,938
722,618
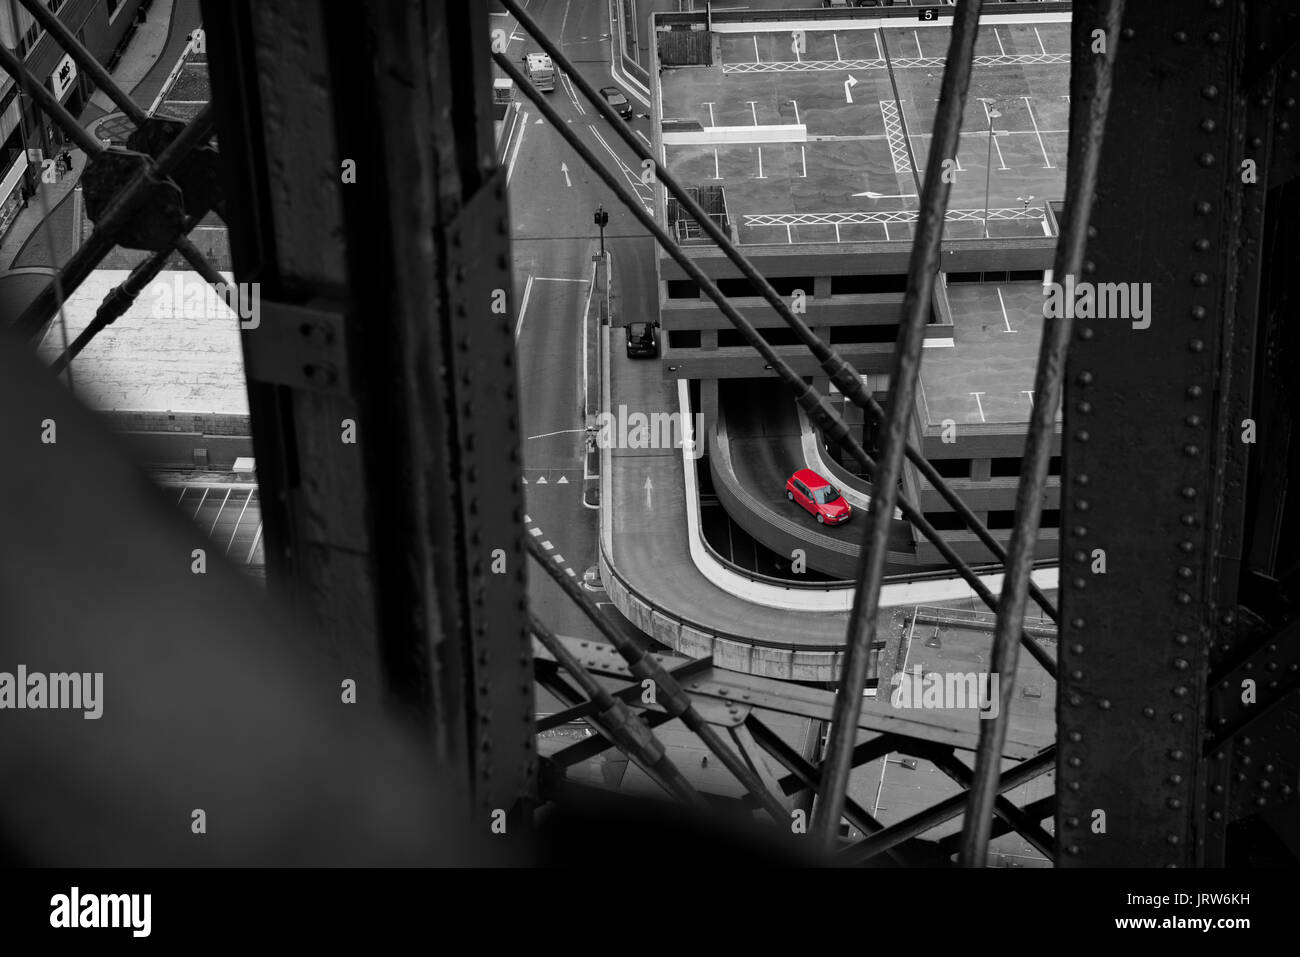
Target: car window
x,y
803,489
827,494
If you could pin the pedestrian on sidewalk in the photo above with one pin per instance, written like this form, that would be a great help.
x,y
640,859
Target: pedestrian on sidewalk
x,y
67,160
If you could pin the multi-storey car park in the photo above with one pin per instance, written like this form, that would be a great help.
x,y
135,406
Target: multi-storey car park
x,y
806,139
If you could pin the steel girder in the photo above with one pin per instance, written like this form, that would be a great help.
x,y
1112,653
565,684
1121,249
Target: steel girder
x,y
382,386
1154,459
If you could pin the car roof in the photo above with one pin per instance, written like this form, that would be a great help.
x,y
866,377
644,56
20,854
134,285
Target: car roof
x,y
610,89
638,326
810,478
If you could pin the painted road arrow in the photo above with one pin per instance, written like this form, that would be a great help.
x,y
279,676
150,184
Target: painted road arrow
x,y
849,84
564,168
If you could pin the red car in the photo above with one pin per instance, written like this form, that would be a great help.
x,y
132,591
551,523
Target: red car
x,y
818,496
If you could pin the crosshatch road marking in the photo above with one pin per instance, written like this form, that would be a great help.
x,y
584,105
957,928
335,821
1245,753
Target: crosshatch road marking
x,y
1009,213
902,63
894,135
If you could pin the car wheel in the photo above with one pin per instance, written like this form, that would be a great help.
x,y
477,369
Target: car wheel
x,y
821,519
790,496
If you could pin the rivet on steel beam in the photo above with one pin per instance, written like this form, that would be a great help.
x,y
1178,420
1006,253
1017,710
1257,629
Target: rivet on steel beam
x,y
1084,378
1196,345
1089,266
1084,407
1082,505
1284,126
1191,451
1203,208
1174,839
1077,623
1194,421
1073,785
1104,704
1184,598
1186,546
1071,821
1245,742
1076,675
1177,754
1261,801
1075,700
1174,803
1080,556
1075,762
1081,479
1187,491
1175,778
1188,520
1081,435
1181,639
1080,584
1209,92
1076,648
1080,531
1184,572
1208,126
1240,776
1073,849
1180,36
1213,36
1194,391
1085,332
1176,717
1075,736
1148,712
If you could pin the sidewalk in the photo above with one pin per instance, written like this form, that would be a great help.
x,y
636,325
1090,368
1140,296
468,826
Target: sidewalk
x,y
142,71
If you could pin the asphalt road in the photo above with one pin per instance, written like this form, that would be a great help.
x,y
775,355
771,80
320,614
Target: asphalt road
x,y
555,240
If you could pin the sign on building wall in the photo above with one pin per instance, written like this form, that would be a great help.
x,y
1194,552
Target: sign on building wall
x,y
63,76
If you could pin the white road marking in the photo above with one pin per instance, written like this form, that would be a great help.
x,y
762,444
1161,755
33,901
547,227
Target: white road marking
x,y
757,58
999,39
980,404
1040,41
548,546
1003,304
534,532
760,164
1030,394
1047,162
510,167
836,41
753,109
796,111
547,435
803,158
557,279
523,306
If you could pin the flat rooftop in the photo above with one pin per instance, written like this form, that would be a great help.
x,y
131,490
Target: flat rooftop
x,y
987,377
176,349
815,145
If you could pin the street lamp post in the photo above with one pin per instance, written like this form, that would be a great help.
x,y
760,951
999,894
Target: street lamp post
x,y
988,168
1025,200
602,219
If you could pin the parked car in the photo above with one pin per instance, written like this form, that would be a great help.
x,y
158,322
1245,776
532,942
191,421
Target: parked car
x,y
615,98
818,496
641,340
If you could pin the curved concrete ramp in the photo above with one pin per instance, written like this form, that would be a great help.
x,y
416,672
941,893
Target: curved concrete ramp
x,y
757,443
